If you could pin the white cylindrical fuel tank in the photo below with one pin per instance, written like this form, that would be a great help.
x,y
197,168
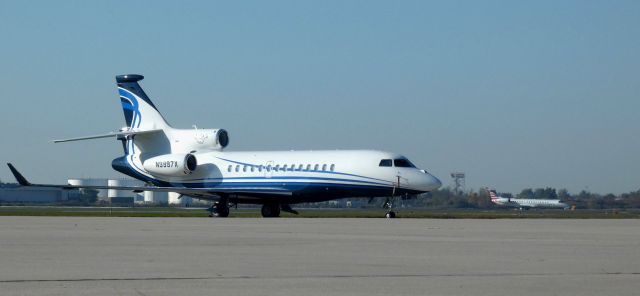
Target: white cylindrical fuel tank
x,y
175,199
122,182
102,193
149,197
156,197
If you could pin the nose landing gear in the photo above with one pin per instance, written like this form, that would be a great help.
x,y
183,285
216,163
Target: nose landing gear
x,y
388,204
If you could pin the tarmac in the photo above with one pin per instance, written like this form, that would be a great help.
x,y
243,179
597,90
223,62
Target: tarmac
x,y
246,256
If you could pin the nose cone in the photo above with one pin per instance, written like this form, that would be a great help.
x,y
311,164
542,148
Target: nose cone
x,y
435,182
429,182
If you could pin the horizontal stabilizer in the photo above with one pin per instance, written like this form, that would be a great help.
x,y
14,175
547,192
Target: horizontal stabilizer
x,y
111,134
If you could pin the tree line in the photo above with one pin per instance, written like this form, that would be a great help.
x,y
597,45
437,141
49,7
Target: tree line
x,y
448,198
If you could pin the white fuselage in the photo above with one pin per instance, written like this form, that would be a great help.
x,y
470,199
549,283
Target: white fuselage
x,y
529,203
331,174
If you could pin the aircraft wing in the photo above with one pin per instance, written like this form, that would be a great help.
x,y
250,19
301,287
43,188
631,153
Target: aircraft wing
x,y
198,192
111,134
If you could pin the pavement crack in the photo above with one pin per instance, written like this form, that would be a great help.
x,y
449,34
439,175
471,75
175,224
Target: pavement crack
x,y
354,276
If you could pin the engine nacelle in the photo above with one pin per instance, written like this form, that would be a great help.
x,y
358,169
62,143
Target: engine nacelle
x,y
222,138
171,164
199,139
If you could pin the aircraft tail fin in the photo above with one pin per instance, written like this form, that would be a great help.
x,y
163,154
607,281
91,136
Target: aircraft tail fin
x,y
19,177
492,193
139,112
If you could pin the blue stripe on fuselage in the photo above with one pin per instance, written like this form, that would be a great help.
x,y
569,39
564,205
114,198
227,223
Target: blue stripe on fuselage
x,y
282,181
289,178
279,186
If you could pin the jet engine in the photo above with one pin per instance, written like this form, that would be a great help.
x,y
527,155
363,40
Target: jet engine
x,y
199,139
171,164
206,139
222,138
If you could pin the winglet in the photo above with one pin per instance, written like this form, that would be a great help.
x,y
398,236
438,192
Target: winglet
x,y
19,177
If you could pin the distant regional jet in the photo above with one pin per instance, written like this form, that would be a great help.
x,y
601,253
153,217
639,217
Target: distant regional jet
x,y
192,162
525,203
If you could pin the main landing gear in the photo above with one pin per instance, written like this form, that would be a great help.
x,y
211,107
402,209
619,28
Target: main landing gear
x,y
270,210
219,208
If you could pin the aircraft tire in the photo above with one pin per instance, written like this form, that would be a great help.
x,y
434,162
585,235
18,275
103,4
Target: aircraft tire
x,y
270,210
390,214
221,210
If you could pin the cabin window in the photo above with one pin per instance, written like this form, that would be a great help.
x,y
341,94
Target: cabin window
x,y
292,168
308,167
253,168
333,166
276,168
300,167
324,167
260,168
268,168
244,168
284,167
316,167
229,168
237,168
403,163
385,163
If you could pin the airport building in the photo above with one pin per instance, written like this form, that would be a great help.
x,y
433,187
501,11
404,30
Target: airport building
x,y
32,195
17,194
12,193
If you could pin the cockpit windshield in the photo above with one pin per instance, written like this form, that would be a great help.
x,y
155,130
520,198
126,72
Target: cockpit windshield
x,y
403,163
385,163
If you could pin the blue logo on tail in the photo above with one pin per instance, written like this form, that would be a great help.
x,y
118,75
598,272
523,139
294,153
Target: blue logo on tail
x,y
131,108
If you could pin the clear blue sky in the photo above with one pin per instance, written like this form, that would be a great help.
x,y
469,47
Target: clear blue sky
x,y
515,93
